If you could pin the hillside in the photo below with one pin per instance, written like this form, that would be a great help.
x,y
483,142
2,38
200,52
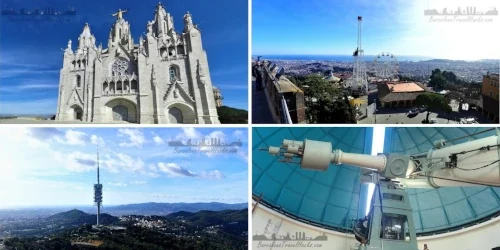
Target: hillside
x,y
228,115
212,217
76,217
209,230
168,208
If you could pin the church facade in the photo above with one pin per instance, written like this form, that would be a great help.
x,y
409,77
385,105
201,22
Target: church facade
x,y
165,79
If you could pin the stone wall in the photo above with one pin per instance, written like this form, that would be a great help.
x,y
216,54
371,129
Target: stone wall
x,y
275,89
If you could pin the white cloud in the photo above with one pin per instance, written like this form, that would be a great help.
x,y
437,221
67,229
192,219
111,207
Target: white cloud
x,y
134,137
77,161
138,182
97,140
117,184
121,161
243,154
212,175
240,134
153,168
190,132
174,170
158,140
164,195
74,137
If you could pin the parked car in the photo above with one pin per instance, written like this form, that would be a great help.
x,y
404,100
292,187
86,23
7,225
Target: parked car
x,y
468,120
433,121
413,112
423,108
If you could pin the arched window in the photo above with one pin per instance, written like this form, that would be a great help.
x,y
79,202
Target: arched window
x,y
173,74
134,85
175,116
126,85
105,87
78,81
119,86
112,87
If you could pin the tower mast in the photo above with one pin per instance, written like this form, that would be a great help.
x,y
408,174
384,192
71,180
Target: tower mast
x,y
359,73
98,190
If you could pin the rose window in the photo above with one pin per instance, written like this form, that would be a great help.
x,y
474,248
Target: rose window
x,y
119,67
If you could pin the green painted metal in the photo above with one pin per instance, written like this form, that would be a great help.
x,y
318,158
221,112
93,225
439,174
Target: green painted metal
x,y
329,198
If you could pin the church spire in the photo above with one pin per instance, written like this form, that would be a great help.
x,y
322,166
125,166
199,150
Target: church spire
x,y
86,39
162,20
188,22
120,31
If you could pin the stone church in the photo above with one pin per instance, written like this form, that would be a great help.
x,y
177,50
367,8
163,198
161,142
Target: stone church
x,y
164,79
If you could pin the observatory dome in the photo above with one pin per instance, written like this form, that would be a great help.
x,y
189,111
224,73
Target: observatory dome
x,y
333,199
327,199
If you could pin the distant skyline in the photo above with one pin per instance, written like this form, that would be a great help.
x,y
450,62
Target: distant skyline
x,y
282,27
50,167
31,56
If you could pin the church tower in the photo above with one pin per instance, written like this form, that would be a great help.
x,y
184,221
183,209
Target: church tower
x,y
163,79
75,83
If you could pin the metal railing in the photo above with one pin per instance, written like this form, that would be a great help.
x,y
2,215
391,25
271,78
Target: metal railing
x,y
285,113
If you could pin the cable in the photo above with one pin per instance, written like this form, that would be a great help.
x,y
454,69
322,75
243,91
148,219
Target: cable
x,y
477,149
479,167
469,182
484,131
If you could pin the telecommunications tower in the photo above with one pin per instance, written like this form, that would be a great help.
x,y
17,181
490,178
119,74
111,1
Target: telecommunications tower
x,y
359,78
98,190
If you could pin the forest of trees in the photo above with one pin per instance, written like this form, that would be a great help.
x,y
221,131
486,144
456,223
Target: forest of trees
x,y
325,103
447,80
228,115
230,236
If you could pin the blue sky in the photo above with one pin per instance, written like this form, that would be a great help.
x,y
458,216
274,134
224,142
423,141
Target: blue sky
x,y
329,27
31,56
57,166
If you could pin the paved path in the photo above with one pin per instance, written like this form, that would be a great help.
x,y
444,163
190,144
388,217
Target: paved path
x,y
399,116
402,118
260,110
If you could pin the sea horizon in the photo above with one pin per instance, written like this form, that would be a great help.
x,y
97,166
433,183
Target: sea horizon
x,y
346,58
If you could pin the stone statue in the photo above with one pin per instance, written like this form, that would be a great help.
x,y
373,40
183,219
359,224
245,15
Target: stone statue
x,y
69,45
201,73
171,21
153,75
89,89
99,51
176,93
119,14
174,37
150,27
188,21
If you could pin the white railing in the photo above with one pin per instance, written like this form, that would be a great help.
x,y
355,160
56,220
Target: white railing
x,y
285,116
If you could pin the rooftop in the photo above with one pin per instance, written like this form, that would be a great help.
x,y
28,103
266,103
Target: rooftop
x,y
404,87
391,92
